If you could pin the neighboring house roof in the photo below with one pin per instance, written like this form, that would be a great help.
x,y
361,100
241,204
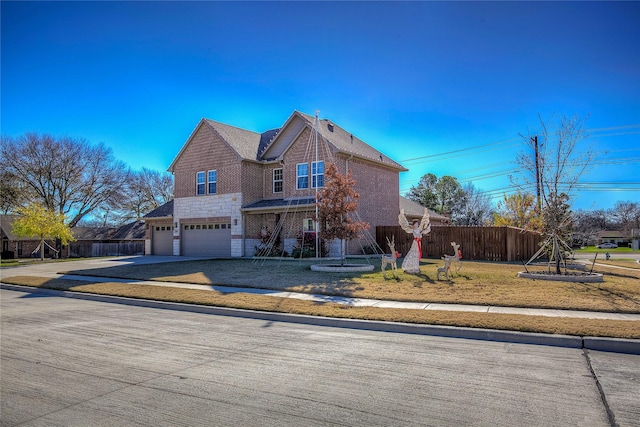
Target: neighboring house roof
x,y
413,209
613,234
270,145
5,224
91,233
132,231
164,211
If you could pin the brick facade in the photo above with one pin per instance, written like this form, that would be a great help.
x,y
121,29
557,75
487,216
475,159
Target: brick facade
x,y
244,179
207,151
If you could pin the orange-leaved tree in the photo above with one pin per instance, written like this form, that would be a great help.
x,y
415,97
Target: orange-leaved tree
x,y
518,210
337,203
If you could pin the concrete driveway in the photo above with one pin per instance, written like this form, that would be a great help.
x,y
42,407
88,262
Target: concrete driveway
x,y
50,268
76,363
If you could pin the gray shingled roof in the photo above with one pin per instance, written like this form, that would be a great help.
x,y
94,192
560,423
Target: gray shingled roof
x,y
265,140
251,145
245,142
132,231
5,223
348,143
413,209
162,211
92,233
279,203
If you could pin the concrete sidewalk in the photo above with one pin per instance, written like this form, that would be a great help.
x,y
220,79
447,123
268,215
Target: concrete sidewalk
x,y
593,343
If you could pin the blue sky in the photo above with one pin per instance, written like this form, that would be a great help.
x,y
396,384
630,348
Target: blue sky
x,y
416,80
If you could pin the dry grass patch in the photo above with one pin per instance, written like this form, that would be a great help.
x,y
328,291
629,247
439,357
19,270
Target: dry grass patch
x,y
521,323
627,263
481,283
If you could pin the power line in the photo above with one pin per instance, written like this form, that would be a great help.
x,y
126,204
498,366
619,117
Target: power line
x,y
461,150
591,186
519,139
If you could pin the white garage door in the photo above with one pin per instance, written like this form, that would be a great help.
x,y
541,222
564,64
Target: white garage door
x,y
206,239
162,240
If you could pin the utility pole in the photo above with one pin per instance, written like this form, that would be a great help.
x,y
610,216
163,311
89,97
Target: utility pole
x,y
534,139
317,225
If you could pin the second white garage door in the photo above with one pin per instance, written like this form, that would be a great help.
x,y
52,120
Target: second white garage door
x,y
206,239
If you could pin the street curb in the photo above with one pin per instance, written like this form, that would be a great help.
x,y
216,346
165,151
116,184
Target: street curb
x,y
614,345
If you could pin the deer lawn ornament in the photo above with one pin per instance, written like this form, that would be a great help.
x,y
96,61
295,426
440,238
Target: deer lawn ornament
x,y
390,259
448,259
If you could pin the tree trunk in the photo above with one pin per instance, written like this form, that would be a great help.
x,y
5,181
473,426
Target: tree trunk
x,y
556,253
42,250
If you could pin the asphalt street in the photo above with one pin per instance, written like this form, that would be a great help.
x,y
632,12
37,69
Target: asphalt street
x,y
71,362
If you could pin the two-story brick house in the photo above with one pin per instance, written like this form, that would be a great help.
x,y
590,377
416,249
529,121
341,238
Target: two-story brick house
x,y
231,182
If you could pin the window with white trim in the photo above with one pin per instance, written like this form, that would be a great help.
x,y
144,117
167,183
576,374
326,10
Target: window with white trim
x,y
317,174
199,183
308,224
212,178
302,176
277,180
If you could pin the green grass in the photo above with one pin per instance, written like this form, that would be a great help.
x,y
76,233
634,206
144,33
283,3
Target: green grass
x,y
593,250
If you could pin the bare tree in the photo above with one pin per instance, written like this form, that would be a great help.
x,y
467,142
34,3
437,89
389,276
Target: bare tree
x,y
475,208
555,160
67,175
587,224
145,191
553,167
626,215
13,194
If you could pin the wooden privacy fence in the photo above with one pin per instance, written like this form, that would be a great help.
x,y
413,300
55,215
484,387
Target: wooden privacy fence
x,y
95,249
476,243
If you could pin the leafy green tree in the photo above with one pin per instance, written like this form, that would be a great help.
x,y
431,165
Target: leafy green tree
x,y
425,192
442,195
42,223
449,195
336,204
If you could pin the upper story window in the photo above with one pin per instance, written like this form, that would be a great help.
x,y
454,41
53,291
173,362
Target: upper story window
x,y
199,183
277,180
317,174
302,176
212,178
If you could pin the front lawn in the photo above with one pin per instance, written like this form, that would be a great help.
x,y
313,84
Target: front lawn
x,y
483,283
